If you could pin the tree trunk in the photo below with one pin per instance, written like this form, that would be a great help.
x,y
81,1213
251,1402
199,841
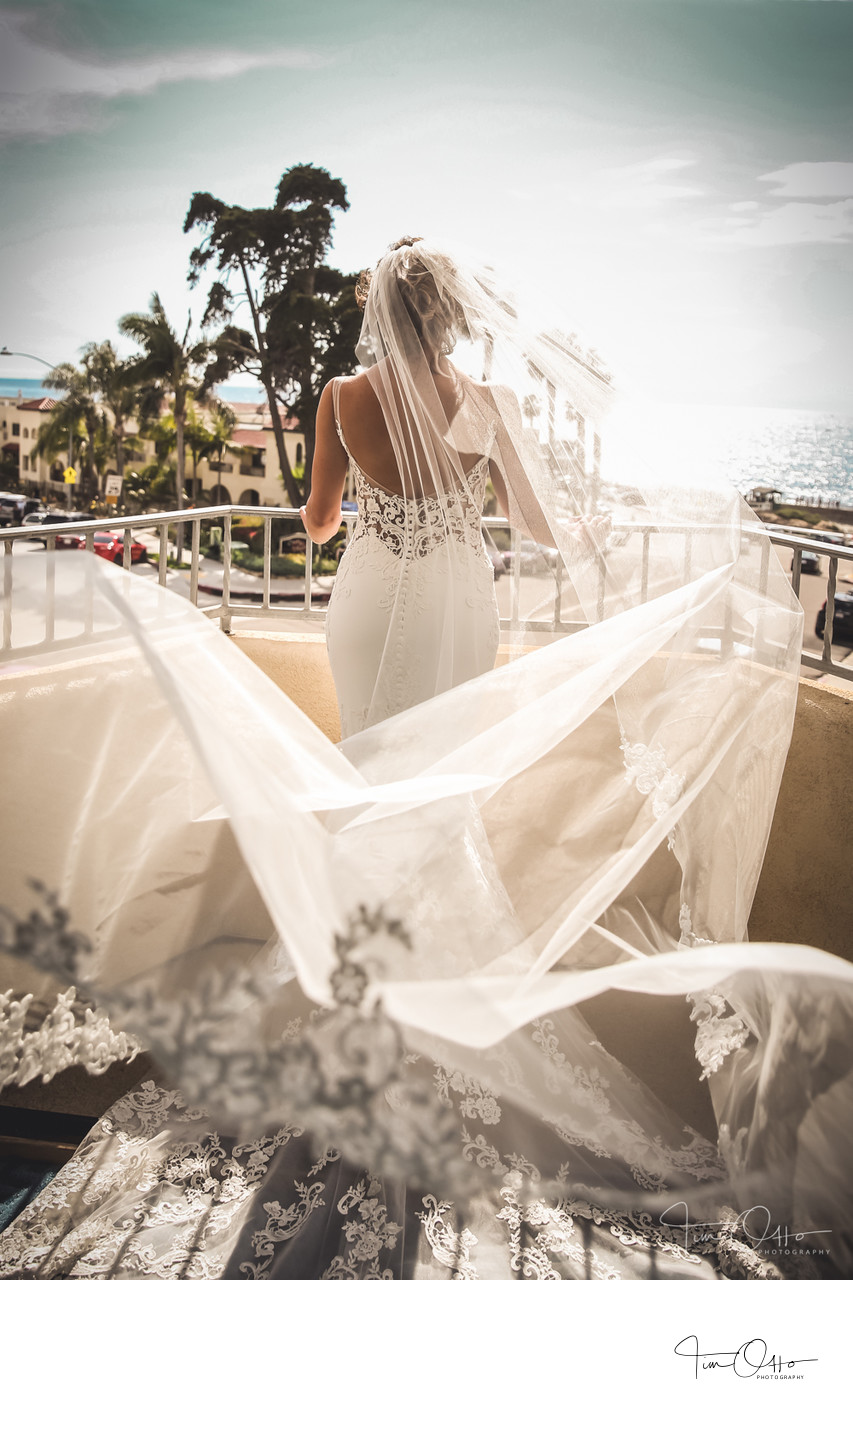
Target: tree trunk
x,y
93,484
286,471
119,443
309,433
269,388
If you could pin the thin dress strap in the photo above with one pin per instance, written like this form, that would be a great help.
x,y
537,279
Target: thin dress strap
x,y
336,389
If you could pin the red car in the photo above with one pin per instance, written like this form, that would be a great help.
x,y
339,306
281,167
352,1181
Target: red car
x,y
108,545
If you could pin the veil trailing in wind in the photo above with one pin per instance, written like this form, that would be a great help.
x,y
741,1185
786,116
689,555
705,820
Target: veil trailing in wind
x,y
387,939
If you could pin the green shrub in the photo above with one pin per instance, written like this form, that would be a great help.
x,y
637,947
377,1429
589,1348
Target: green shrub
x,y
290,565
798,515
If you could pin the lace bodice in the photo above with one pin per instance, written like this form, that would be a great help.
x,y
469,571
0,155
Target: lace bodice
x,y
413,610
415,527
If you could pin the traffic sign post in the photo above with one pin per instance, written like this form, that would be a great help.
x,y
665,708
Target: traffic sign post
x,y
70,476
112,489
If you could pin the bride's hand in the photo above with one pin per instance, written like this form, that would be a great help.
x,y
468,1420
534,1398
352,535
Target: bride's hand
x,y
590,532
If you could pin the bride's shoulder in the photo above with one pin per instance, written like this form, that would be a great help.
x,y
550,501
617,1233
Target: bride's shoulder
x,y
346,391
499,397
350,383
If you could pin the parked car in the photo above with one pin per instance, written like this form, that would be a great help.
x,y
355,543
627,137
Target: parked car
x,y
498,560
44,518
842,624
536,557
810,562
111,546
14,508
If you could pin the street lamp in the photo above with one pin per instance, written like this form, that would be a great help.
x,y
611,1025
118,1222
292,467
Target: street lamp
x,y
18,354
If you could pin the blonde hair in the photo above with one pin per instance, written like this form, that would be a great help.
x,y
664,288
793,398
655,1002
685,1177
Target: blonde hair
x,y
437,318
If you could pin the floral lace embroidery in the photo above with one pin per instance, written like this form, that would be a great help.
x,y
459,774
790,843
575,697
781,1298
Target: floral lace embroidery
x,y
737,1258
477,1148
415,527
688,936
332,1077
587,1083
367,1237
282,1225
38,1041
656,1162
648,769
449,1247
716,1034
543,1242
181,1202
478,1103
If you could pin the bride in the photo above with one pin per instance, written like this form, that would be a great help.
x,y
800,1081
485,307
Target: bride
x,y
414,610
359,968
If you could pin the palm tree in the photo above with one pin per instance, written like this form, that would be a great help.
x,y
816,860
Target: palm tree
x,y
208,433
114,385
75,416
167,365
222,422
531,407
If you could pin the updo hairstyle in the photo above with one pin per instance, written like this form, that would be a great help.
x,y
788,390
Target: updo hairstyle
x,y
437,318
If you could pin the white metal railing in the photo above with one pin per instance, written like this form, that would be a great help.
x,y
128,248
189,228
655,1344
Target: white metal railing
x,y
310,602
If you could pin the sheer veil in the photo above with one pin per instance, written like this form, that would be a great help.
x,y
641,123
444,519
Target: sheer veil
x,y
443,888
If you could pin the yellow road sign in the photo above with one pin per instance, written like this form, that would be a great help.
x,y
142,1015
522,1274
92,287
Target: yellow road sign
x,y
70,475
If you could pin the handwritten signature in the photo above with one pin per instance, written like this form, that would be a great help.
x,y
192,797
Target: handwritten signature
x,y
755,1214
746,1361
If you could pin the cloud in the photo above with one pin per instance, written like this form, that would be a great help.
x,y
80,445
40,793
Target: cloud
x,y
795,224
46,92
646,184
803,219
818,179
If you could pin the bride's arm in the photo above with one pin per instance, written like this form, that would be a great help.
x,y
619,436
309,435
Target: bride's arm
x,y
322,513
516,498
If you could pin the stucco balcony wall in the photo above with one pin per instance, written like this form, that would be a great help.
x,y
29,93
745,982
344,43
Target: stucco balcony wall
x,y
805,893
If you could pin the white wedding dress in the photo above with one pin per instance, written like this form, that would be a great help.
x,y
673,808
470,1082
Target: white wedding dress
x,y
358,967
410,583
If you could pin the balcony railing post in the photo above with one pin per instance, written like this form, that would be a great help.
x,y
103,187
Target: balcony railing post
x,y
7,593
50,590
722,634
225,616
194,562
309,566
831,581
267,560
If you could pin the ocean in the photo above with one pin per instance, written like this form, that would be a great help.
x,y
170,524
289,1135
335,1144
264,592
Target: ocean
x,y
806,454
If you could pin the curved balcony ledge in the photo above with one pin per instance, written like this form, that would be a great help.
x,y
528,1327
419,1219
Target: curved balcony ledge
x,y
805,893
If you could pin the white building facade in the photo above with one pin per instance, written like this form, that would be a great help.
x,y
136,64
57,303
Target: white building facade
x,y
248,472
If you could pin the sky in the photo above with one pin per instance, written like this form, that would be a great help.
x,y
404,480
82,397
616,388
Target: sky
x,y
672,178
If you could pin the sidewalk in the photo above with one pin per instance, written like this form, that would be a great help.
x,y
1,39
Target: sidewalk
x,y
249,587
